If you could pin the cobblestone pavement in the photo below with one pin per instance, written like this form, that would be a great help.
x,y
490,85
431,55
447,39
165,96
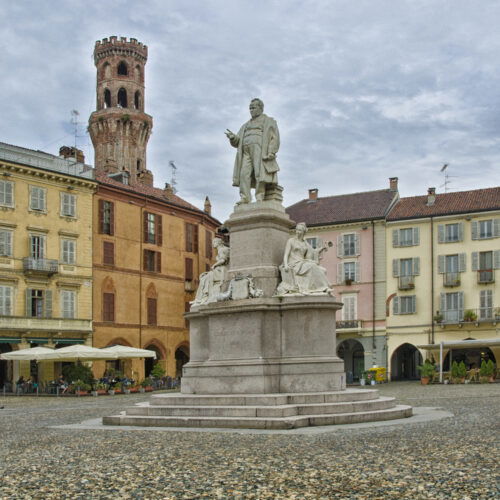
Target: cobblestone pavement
x,y
454,458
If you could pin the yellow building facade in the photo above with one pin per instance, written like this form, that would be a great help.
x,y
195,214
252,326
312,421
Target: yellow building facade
x,y
45,256
443,279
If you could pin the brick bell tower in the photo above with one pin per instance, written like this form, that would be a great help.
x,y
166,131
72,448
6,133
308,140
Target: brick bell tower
x,y
119,128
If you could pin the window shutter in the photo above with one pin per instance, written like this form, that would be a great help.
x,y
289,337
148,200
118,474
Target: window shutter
x,y
5,243
395,268
475,229
152,311
42,199
475,261
28,302
460,231
340,246
187,232
340,273
461,262
441,234
159,229
7,193
48,303
208,244
111,218
195,239
112,307
189,269
357,250
144,260
496,259
395,305
101,216
443,302
416,236
496,228
413,303
441,264
461,305
108,250
145,226
416,266
357,272
158,262
395,237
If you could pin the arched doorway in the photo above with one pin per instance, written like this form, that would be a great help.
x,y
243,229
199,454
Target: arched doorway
x,y
150,362
181,358
404,362
353,354
5,366
472,357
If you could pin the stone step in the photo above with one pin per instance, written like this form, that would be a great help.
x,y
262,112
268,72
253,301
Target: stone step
x,y
262,411
291,422
178,399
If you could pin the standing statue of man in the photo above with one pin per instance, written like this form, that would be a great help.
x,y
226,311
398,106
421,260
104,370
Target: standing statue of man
x,y
257,142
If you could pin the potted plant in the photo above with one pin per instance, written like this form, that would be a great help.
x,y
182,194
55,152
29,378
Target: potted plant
x,y
427,371
470,315
496,313
438,317
101,388
147,385
455,375
487,371
462,372
118,387
80,388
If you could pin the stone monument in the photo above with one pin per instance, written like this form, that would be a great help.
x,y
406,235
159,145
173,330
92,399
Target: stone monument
x,y
262,325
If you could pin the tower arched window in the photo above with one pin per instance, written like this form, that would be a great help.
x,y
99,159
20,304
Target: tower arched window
x,y
122,69
107,98
106,71
137,100
122,98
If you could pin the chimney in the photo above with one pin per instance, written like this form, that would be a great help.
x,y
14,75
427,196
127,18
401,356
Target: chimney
x,y
145,177
313,194
393,183
71,152
208,206
168,191
431,196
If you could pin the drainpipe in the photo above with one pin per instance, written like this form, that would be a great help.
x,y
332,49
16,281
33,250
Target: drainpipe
x,y
373,285
432,281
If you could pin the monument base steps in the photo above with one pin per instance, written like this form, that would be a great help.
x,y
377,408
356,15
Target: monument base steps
x,y
258,411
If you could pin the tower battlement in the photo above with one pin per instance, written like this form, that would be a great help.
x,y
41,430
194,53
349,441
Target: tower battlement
x,y
120,46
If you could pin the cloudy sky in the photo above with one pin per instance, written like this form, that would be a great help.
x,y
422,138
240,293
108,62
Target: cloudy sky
x,y
362,91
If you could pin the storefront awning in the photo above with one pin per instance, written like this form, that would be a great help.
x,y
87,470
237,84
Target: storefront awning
x,y
457,344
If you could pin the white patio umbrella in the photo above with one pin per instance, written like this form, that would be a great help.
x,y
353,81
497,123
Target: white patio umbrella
x,y
78,352
35,353
126,352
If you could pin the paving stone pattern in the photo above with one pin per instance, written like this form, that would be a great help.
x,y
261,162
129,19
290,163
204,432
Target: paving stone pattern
x,y
454,458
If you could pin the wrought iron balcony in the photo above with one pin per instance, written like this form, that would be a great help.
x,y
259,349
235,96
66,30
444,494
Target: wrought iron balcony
x,y
485,276
40,266
406,282
451,279
353,324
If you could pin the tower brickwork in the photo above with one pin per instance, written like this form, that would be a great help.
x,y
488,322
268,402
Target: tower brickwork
x,y
119,128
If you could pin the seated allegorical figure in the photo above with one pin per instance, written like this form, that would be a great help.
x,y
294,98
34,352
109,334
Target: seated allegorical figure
x,y
301,273
211,281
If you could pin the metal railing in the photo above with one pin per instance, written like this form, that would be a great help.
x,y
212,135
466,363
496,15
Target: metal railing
x,y
348,323
406,282
485,276
478,315
451,279
48,266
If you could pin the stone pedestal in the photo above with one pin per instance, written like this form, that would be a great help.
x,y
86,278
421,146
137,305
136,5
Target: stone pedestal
x,y
264,346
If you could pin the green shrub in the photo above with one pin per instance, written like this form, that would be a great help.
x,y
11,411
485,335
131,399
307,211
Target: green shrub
x,y
157,371
462,370
427,369
77,371
454,370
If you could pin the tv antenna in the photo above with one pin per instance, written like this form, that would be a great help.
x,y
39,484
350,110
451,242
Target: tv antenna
x,y
446,177
173,181
74,121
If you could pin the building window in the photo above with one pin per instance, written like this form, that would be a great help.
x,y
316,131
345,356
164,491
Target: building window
x,y
347,272
152,228
152,311
451,266
37,246
37,198
452,307
108,253
349,311
347,245
122,98
68,205
68,304
405,304
6,193
152,261
485,229
486,304
5,243
68,251
6,300
108,307
485,264
107,98
38,303
313,242
106,217
188,266
191,238
137,100
405,237
208,244
122,69
450,233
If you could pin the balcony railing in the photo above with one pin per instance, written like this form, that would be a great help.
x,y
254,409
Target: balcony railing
x,y
451,279
485,276
348,323
45,266
479,315
406,282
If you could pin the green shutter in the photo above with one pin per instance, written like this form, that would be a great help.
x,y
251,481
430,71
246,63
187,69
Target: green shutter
x,y
28,302
395,268
416,266
475,261
48,303
460,231
441,264
413,303
416,236
496,228
475,229
395,237
395,305
496,259
441,233
461,262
